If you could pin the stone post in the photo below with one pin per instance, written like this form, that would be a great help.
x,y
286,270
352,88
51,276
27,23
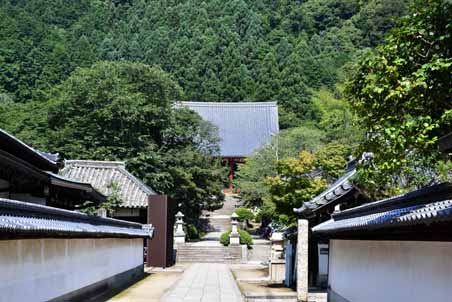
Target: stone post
x,y
234,238
179,234
302,260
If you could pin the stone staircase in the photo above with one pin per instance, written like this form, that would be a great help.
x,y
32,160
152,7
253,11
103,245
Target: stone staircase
x,y
208,254
220,220
209,250
216,223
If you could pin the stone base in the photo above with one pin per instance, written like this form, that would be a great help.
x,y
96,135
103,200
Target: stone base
x,y
234,240
277,271
179,239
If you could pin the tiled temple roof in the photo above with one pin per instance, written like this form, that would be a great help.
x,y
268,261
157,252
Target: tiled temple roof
x,y
424,206
101,174
25,220
42,160
61,181
15,154
243,127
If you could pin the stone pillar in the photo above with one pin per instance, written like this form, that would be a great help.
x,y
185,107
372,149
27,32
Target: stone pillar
x,y
179,234
234,238
302,260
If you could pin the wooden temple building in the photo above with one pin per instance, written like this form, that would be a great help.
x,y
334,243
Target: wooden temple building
x,y
30,175
48,252
243,127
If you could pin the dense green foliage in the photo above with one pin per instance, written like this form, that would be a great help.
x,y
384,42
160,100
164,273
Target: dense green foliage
x,y
125,111
297,179
192,232
245,238
244,214
292,52
336,125
252,174
402,93
216,50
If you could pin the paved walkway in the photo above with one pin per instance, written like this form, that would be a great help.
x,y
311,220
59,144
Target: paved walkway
x,y
150,289
205,282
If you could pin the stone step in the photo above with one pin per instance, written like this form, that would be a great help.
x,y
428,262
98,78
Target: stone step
x,y
216,224
220,254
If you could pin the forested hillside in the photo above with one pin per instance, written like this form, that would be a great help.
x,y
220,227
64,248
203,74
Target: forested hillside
x,y
256,50
97,79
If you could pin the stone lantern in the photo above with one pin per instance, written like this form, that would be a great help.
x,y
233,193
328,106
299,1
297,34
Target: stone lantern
x,y
179,234
234,238
277,248
277,265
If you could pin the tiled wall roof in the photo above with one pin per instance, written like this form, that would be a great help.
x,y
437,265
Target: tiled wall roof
x,y
100,174
337,190
424,206
25,220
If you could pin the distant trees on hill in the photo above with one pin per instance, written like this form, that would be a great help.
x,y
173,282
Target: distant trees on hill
x,y
215,50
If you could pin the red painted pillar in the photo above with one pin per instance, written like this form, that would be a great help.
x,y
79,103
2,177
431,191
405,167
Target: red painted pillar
x,y
231,172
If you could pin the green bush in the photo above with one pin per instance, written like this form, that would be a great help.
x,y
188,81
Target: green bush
x,y
224,238
266,213
244,214
245,238
192,232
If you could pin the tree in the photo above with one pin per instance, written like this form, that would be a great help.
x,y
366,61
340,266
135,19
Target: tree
x,y
294,184
126,111
337,119
402,95
215,50
252,174
299,179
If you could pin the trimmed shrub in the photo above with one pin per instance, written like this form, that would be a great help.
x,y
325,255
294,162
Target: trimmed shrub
x,y
244,214
192,232
245,238
224,238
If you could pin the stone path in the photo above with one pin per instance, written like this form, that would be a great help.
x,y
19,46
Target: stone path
x,y
205,282
150,289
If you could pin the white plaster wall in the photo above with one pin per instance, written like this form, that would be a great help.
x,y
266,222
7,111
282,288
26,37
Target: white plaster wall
x,y
391,271
323,259
42,269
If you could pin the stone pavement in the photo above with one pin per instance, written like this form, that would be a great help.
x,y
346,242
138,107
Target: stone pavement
x,y
205,282
150,289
